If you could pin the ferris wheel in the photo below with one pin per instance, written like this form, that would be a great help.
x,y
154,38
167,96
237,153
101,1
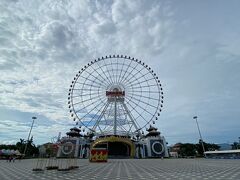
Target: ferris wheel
x,y
115,95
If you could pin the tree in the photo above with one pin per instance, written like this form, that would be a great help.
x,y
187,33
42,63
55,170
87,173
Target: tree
x,y
235,145
31,148
187,150
207,147
21,145
5,146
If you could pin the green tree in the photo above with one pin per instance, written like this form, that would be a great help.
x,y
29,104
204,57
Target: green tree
x,y
235,145
21,145
187,150
10,146
31,148
207,147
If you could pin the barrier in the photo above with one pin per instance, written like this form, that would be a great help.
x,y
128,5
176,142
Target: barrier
x,y
98,155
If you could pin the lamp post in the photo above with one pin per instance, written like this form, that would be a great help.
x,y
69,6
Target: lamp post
x,y
195,117
25,149
238,142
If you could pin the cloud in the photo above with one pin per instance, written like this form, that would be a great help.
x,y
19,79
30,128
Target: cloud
x,y
44,43
12,131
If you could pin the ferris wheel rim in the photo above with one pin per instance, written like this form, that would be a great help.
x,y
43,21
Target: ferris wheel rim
x,y
109,81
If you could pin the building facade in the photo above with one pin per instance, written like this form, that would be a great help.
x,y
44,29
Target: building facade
x,y
152,145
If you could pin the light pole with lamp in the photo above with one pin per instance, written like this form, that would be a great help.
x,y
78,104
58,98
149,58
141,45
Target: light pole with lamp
x,y
238,142
25,149
195,117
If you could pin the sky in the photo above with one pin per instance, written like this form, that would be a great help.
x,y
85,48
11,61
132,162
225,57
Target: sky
x,y
193,46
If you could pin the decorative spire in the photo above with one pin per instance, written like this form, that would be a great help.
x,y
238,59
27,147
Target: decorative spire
x,y
152,131
74,132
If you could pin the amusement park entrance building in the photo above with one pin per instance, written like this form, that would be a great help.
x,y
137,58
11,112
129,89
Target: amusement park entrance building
x,y
151,145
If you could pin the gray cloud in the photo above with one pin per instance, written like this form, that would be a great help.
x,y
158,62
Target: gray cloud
x,y
195,54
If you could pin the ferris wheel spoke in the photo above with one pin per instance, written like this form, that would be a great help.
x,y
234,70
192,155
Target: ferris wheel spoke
x,y
144,81
133,68
101,115
124,129
137,87
76,96
101,101
128,65
132,120
147,97
134,92
138,113
86,84
123,81
96,77
84,95
86,100
157,92
128,79
89,99
141,107
117,71
123,64
96,114
139,78
112,70
82,90
107,77
90,110
122,126
136,81
141,102
103,79
107,70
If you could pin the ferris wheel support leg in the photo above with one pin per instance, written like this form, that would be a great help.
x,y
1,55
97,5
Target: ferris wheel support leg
x,y
131,118
115,116
100,117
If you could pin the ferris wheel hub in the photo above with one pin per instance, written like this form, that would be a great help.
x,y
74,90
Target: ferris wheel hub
x,y
115,93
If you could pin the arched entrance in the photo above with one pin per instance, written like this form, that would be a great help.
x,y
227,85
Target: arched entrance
x,y
118,147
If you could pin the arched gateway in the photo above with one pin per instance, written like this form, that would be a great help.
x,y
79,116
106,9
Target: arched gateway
x,y
117,146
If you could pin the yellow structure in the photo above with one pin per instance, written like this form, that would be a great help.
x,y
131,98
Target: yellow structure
x,y
107,139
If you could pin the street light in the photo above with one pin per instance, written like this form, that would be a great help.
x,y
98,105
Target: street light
x,y
25,149
238,142
195,117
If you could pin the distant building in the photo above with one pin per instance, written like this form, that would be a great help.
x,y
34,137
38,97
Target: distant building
x,y
227,154
48,149
174,150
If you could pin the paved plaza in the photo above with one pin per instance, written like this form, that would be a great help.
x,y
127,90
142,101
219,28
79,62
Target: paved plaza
x,y
128,169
